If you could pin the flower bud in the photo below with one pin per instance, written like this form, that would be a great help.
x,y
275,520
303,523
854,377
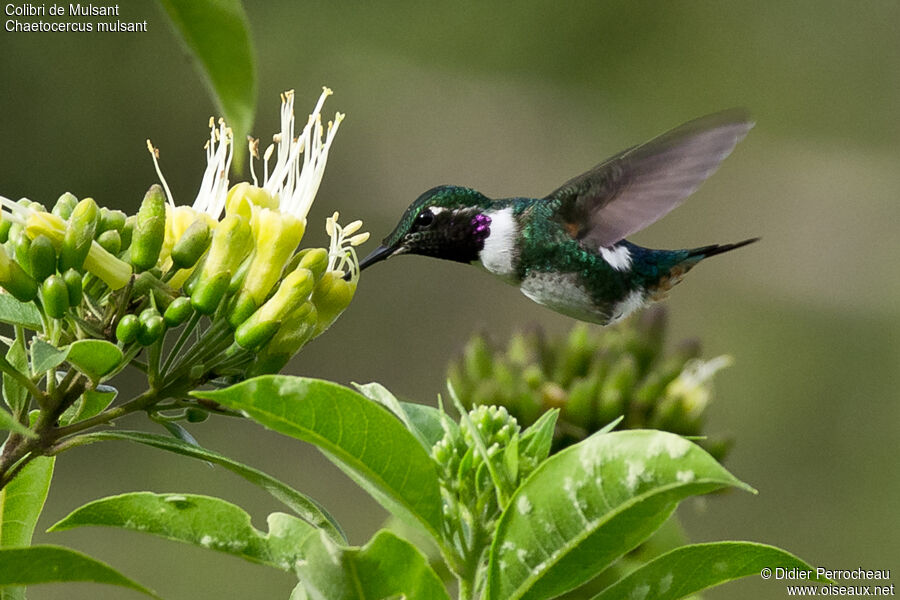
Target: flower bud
x,y
55,296
331,296
64,206
230,244
5,225
188,250
127,232
196,415
314,259
244,196
616,389
151,328
22,246
127,329
178,311
110,241
293,291
74,286
111,220
149,229
79,235
42,256
275,237
297,329
15,280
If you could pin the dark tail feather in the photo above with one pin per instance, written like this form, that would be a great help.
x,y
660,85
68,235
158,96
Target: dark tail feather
x,y
712,250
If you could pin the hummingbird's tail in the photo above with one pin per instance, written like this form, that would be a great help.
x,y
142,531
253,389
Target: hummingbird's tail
x,y
698,254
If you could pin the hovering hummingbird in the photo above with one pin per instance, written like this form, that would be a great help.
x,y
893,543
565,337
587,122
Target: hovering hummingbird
x,y
568,251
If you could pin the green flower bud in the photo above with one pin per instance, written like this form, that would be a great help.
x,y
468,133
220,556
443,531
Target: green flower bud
x,y
208,293
230,244
127,232
579,406
178,311
74,286
22,246
616,389
252,337
127,329
110,241
188,250
15,280
111,220
477,358
331,296
152,326
149,229
241,309
314,259
293,292
79,235
55,296
5,225
295,331
42,256
64,206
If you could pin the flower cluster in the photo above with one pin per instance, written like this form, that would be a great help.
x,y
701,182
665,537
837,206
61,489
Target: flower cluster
x,y
594,378
225,269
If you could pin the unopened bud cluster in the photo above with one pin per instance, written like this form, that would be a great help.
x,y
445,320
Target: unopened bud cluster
x,y
487,445
594,376
226,271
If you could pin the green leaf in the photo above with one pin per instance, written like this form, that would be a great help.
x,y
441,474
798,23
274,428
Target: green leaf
x,y
91,403
218,34
14,393
422,421
24,314
362,438
690,569
590,504
537,439
202,521
386,567
305,507
94,358
22,500
54,564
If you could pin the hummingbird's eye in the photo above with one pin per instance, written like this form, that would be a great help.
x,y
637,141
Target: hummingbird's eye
x,y
424,219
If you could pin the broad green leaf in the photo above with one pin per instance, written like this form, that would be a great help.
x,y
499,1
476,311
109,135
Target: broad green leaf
x,y
54,564
22,500
590,504
94,358
690,569
218,34
14,393
424,422
21,503
9,423
386,567
91,403
14,312
305,507
44,356
199,520
366,441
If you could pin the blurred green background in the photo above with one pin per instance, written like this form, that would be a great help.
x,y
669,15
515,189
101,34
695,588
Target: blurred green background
x,y
513,99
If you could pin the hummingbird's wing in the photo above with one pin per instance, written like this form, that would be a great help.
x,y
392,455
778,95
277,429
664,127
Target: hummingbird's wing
x,y
642,184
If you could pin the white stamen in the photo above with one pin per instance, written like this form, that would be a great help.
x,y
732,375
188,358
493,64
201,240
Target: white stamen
x,y
154,152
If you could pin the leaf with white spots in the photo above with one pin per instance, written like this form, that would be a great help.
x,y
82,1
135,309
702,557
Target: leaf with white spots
x,y
198,520
386,567
588,505
690,569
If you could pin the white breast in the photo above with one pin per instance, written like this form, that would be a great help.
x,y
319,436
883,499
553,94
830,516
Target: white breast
x,y
498,256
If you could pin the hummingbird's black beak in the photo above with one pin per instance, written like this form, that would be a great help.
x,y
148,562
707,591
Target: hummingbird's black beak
x,y
377,255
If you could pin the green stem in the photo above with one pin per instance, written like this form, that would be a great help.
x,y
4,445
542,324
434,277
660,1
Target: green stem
x,y
137,403
182,340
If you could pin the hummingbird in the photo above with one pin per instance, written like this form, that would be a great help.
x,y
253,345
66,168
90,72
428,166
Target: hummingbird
x,y
567,250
